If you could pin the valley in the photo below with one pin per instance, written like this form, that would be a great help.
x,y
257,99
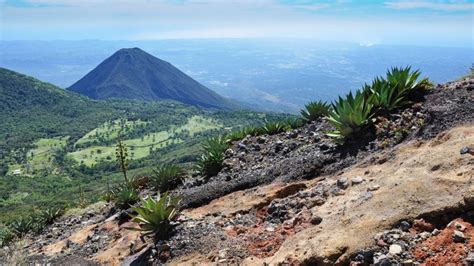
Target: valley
x,y
65,152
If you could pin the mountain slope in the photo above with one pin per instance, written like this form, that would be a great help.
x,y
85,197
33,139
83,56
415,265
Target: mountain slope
x,y
135,74
297,198
30,109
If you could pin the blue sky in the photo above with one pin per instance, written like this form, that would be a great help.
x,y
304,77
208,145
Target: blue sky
x,y
423,22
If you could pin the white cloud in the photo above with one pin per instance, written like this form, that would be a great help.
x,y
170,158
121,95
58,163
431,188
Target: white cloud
x,y
450,6
313,7
189,19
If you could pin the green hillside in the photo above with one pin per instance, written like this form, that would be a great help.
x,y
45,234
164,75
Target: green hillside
x,y
55,143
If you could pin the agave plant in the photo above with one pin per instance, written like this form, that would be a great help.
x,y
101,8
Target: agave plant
x,y
315,110
155,215
167,177
272,128
124,195
384,95
6,236
235,135
404,79
349,115
210,163
294,123
48,215
21,226
395,91
215,144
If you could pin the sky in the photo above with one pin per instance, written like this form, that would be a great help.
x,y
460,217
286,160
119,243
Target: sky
x,y
423,22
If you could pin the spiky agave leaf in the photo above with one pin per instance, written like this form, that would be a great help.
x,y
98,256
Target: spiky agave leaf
x,y
215,144
395,91
294,123
349,115
155,215
315,110
124,195
272,128
167,177
6,236
210,163
21,226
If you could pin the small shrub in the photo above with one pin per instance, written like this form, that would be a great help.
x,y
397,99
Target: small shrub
x,y
273,128
242,133
405,81
124,195
315,110
167,177
210,163
396,91
294,123
155,216
6,236
108,196
235,135
349,115
215,144
48,215
21,226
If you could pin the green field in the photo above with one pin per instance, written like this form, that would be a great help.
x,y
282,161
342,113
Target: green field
x,y
141,147
110,131
41,157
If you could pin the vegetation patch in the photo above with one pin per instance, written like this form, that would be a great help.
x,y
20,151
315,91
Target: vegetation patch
x,y
167,177
155,216
139,147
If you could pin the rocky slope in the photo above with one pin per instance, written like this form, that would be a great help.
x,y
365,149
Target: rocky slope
x,y
298,198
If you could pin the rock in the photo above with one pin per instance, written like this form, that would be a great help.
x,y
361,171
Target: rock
x,y
379,258
316,219
241,146
405,226
367,196
229,153
223,253
424,235
342,183
465,150
395,249
460,227
357,180
435,232
261,139
469,259
315,201
278,146
421,225
459,236
256,147
373,188
270,228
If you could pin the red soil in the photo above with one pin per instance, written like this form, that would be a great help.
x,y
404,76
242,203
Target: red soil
x,y
442,249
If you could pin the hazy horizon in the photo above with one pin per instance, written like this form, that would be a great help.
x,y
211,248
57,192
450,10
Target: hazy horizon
x,y
275,74
424,23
